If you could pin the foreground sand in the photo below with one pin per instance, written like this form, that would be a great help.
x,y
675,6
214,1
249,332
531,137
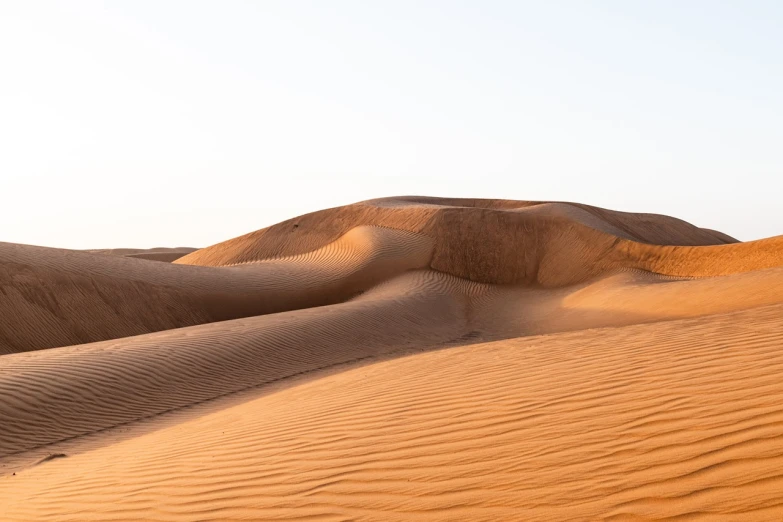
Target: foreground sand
x,y
675,420
395,360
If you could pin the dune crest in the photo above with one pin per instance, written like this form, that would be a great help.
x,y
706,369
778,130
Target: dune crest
x,y
514,242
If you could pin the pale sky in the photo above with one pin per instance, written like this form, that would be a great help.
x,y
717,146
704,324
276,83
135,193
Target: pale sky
x,y
184,123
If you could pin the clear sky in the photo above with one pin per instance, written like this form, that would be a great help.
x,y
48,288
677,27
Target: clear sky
x,y
166,123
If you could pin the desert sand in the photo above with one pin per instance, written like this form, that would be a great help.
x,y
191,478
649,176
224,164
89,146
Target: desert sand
x,y
399,359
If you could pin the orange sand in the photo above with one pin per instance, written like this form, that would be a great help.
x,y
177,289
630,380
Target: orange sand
x,y
399,359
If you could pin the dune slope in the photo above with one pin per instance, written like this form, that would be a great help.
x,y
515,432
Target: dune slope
x,y
673,420
56,395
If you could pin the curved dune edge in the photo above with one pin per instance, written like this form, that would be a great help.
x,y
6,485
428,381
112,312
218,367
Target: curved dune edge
x,y
53,297
672,420
55,395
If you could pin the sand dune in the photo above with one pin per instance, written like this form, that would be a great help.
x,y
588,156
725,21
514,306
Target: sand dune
x,y
399,359
167,255
510,242
56,297
55,395
329,256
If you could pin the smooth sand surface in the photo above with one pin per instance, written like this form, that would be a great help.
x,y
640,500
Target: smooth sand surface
x,y
399,359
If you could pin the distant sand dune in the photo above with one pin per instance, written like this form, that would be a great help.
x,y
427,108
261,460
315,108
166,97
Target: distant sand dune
x,y
167,255
399,359
509,242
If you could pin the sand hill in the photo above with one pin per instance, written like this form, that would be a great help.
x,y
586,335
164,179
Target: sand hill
x,y
399,359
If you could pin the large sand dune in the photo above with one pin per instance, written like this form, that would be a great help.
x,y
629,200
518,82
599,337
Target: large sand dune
x,y
405,358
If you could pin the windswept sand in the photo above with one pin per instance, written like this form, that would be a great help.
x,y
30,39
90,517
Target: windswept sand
x,y
399,359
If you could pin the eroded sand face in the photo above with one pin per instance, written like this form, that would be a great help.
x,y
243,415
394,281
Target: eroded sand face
x,y
407,358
